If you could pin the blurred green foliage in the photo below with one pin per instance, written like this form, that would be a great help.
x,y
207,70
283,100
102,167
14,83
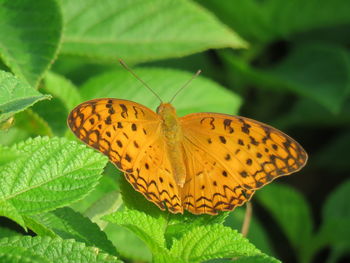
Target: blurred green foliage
x,y
286,63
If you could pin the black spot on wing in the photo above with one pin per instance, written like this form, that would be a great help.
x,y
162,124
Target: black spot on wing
x,y
133,127
124,112
227,125
108,120
253,141
111,110
245,126
244,174
222,139
128,158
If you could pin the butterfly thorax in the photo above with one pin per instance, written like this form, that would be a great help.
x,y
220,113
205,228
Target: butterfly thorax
x,y
172,131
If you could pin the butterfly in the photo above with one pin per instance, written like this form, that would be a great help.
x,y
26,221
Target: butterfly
x,y
202,162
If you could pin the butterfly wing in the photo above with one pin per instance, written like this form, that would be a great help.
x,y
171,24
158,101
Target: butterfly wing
x,y
129,134
209,187
152,176
228,157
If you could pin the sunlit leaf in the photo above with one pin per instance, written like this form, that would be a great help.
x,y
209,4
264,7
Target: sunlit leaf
x,y
49,250
68,224
30,36
141,30
16,95
209,242
50,173
202,94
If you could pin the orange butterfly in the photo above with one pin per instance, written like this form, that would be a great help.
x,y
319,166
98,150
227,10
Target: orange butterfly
x,y
202,162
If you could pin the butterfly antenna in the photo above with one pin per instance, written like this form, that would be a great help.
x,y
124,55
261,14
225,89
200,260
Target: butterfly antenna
x,y
186,84
144,83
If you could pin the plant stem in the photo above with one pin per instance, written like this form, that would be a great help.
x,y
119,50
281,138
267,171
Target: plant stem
x,y
247,218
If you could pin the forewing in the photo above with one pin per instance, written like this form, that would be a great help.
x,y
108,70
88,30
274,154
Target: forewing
x,y
129,134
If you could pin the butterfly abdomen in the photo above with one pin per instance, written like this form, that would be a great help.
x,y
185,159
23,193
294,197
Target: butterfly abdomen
x,y
172,132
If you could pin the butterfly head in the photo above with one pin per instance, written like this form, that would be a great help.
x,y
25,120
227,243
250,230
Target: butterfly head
x,y
168,114
166,110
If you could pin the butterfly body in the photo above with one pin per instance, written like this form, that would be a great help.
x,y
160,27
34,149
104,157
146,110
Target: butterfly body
x,y
201,162
172,131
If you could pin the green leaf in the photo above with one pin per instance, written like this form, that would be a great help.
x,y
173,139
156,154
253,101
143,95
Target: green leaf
x,y
16,95
177,224
77,69
32,123
256,234
291,212
335,228
122,238
65,97
141,30
324,76
10,254
209,242
12,136
180,224
10,211
107,188
63,89
308,113
202,94
165,257
69,224
265,21
8,155
56,117
337,253
150,217
150,229
257,259
333,157
38,228
52,250
7,232
30,36
108,204
51,173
